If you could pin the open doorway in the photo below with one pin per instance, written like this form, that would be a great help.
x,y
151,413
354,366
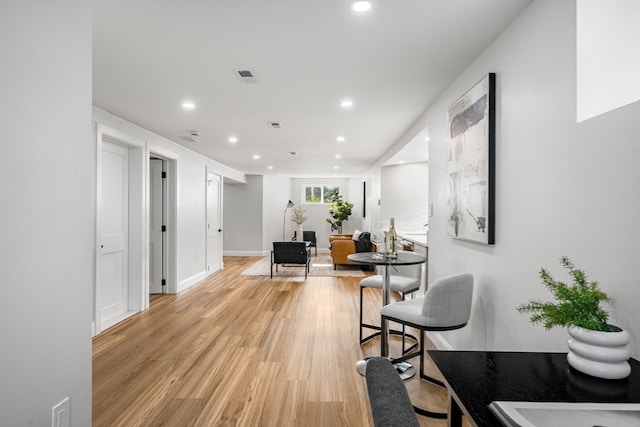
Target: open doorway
x,y
157,226
162,224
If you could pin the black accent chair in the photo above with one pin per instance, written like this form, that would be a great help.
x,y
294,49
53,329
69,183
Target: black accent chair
x,y
296,253
308,236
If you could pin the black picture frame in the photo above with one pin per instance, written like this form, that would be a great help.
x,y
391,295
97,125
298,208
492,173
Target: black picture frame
x,y
471,164
364,199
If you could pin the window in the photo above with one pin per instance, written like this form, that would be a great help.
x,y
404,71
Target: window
x,y
319,193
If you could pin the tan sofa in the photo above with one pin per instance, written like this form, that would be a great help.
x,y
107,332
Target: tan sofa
x,y
342,245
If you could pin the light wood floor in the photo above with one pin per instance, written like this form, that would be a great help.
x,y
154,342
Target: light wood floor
x,y
244,351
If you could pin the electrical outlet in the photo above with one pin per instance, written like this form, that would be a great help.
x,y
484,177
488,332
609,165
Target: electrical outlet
x,y
60,414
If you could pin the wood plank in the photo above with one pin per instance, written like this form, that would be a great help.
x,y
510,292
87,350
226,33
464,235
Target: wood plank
x,y
244,351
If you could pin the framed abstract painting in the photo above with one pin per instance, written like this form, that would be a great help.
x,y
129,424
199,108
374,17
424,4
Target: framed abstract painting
x,y
471,164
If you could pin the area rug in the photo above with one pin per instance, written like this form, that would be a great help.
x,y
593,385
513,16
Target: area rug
x,y
321,266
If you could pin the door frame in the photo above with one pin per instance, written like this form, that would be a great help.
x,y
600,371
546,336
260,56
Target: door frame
x,y
138,239
171,257
157,217
206,220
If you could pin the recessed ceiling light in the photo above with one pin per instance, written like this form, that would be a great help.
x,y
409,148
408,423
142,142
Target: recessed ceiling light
x,y
360,6
270,167
293,153
338,156
401,162
340,138
346,103
336,167
233,139
426,138
188,105
256,157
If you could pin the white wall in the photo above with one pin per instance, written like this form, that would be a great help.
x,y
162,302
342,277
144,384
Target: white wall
x,y
262,201
276,195
46,220
242,228
351,191
405,196
562,188
191,212
373,198
608,52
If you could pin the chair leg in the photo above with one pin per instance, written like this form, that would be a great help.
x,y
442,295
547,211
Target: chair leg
x,y
403,333
363,325
422,374
360,314
424,412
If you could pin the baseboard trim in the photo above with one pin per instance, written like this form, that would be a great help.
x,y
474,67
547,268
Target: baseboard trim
x,y
439,341
190,281
265,253
246,253
115,320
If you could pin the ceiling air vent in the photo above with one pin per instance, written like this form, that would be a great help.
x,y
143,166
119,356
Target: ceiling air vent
x,y
275,125
194,136
246,76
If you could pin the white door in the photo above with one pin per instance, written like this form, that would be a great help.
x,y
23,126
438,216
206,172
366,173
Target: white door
x,y
114,197
156,222
214,225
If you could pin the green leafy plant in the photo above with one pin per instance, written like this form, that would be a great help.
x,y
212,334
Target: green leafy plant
x,y
577,304
339,211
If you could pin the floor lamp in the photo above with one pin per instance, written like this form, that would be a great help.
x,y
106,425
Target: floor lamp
x,y
284,219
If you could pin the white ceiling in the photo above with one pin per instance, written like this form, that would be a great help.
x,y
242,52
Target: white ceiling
x,y
307,55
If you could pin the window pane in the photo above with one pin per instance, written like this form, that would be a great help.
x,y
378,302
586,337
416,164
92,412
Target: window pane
x,y
317,194
329,192
312,194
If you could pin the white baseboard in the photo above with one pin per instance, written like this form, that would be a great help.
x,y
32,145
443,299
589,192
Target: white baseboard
x,y
246,253
439,341
114,321
266,253
190,281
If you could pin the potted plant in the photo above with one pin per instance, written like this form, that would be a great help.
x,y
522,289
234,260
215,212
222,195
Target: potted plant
x,y
595,347
339,211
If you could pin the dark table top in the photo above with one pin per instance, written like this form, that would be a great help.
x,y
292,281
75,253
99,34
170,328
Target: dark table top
x,y
476,378
404,258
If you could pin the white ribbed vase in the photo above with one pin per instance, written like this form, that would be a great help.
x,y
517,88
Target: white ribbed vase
x,y
600,354
299,233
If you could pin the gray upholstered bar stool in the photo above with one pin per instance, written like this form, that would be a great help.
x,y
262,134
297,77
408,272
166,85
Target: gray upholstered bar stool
x,y
445,306
404,280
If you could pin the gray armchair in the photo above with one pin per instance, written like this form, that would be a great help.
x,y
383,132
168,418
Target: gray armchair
x,y
445,306
296,253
